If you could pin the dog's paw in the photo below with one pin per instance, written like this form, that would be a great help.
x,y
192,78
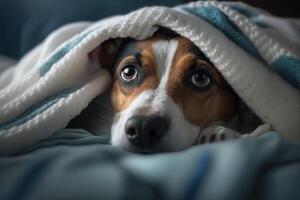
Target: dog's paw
x,y
217,133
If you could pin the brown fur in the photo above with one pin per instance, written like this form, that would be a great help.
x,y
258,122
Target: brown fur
x,y
122,97
200,107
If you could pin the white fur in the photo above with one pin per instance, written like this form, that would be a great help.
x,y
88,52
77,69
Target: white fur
x,y
181,133
164,52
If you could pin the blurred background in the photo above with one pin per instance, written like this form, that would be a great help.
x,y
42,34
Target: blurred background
x,y
25,23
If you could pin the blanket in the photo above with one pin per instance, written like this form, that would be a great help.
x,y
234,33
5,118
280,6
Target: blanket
x,y
257,53
74,164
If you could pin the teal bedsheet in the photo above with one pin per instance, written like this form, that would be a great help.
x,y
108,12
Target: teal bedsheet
x,y
76,165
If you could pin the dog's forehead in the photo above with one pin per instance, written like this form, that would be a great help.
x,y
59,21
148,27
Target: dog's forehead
x,y
160,47
164,52
170,50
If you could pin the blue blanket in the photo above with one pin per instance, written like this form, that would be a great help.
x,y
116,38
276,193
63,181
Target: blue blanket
x,y
76,165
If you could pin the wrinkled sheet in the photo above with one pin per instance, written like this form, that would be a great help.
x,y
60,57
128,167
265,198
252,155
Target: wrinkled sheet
x,y
76,165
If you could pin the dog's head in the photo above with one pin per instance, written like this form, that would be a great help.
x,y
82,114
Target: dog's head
x,y
164,92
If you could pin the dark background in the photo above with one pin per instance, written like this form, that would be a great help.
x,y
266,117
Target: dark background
x,y
25,23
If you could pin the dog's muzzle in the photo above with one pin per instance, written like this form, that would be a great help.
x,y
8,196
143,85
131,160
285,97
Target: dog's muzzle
x,y
145,131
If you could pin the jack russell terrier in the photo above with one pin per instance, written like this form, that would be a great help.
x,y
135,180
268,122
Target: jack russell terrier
x,y
166,95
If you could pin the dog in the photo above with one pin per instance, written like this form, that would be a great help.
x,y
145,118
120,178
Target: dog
x,y
166,95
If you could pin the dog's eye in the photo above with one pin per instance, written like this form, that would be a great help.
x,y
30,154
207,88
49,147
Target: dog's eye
x,y
200,79
129,73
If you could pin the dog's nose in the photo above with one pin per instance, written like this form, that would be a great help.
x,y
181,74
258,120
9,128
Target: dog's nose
x,y
146,130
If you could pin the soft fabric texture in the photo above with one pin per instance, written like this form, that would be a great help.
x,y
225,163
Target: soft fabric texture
x,y
75,165
56,81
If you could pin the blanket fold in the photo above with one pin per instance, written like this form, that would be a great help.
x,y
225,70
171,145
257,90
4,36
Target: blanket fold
x,y
55,81
255,168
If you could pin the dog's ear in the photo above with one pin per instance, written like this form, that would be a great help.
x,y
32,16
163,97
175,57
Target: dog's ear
x,y
106,54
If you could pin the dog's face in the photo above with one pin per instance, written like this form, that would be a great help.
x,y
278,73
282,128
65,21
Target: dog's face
x,y
164,92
